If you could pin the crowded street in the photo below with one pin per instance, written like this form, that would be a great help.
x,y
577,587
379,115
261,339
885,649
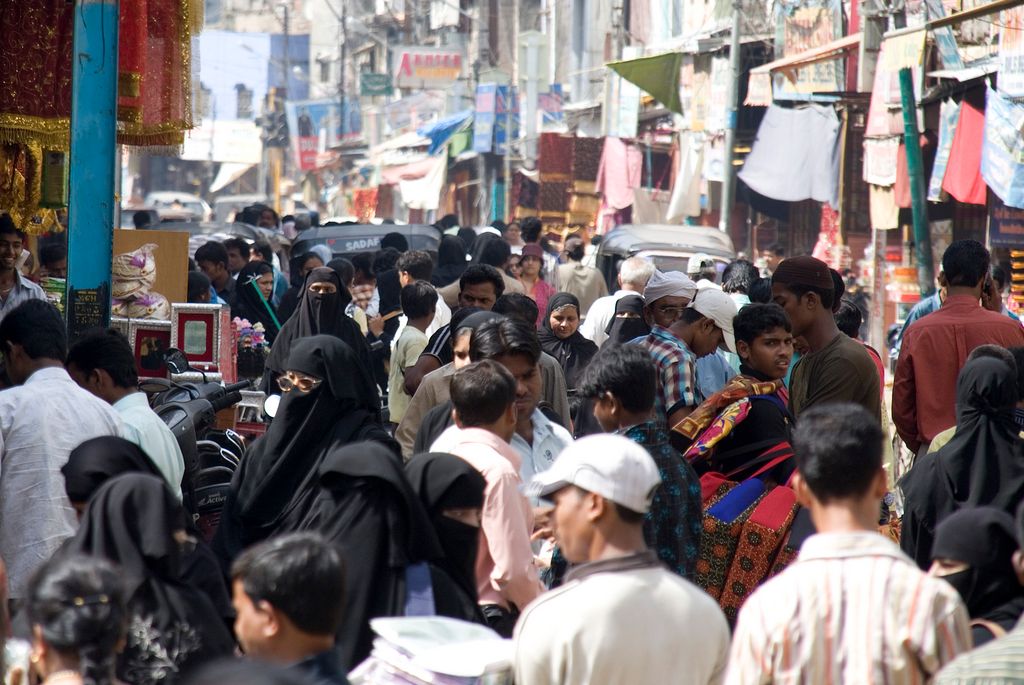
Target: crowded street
x,y
511,342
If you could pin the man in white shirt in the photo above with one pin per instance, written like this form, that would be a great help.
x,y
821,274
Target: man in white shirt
x,y
852,608
633,276
103,364
42,419
14,288
621,618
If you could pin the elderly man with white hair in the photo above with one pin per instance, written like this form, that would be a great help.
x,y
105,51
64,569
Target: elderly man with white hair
x,y
633,276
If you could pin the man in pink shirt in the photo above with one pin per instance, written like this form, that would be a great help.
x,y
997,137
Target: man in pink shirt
x,y
483,396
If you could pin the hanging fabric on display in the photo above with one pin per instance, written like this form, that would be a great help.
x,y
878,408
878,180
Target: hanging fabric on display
x,y
1003,151
650,206
880,160
963,171
620,172
948,115
685,200
885,213
795,155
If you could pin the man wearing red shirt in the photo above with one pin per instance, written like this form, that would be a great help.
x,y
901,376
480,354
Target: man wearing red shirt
x,y
936,347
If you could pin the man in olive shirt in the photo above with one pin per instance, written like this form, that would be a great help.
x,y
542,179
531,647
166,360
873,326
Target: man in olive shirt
x,y
837,368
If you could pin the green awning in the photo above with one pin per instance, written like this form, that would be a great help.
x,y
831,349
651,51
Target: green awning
x,y
657,75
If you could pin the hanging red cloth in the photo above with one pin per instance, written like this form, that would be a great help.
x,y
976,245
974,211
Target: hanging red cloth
x,y
963,171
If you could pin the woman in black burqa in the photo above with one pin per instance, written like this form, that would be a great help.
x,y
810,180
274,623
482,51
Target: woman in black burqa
x,y
452,492
277,481
567,345
96,461
973,552
366,505
251,304
134,521
628,322
321,311
451,261
981,465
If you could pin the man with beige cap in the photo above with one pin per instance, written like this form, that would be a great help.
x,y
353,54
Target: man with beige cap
x,y
621,615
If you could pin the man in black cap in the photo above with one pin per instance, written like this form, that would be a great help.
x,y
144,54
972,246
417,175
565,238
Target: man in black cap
x,y
837,368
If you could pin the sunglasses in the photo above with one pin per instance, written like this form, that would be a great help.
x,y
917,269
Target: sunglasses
x,y
298,381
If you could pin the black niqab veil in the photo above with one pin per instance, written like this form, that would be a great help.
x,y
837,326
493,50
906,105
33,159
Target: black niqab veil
x,y
981,465
444,481
316,314
983,538
131,521
451,261
620,330
573,353
366,506
277,480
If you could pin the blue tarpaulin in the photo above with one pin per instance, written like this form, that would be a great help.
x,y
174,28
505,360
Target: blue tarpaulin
x,y
443,129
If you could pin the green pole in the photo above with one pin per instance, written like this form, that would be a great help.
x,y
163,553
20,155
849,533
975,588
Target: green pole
x,y
915,169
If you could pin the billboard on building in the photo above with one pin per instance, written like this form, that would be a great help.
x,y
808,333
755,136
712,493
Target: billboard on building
x,y
416,67
801,26
315,128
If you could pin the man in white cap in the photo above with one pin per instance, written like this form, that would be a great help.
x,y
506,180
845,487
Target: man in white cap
x,y
621,616
680,334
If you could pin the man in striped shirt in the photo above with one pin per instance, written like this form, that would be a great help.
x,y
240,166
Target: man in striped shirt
x,y
852,608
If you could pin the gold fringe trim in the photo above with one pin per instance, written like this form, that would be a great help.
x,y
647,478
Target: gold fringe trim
x,y
173,139
20,130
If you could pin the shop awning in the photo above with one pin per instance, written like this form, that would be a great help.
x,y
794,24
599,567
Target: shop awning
x,y
657,75
759,88
443,129
228,173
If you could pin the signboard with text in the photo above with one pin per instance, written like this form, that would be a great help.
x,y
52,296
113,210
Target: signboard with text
x,y
802,26
1011,52
416,67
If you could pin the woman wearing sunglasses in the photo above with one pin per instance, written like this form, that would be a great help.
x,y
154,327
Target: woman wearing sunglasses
x,y
328,400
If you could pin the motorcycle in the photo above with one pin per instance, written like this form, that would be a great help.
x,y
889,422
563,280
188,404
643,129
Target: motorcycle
x,y
211,455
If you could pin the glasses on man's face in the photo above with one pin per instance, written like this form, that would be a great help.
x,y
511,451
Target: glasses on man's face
x,y
675,311
298,381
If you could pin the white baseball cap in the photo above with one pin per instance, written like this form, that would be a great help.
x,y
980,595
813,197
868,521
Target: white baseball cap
x,y
699,262
719,307
612,466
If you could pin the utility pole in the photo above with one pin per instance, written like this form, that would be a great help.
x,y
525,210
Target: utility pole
x,y
729,177
915,170
92,164
343,58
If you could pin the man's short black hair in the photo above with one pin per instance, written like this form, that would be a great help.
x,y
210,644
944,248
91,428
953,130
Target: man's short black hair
x,y
385,260
998,274
965,263
492,250
530,228
827,297
476,274
198,283
419,299
996,352
213,252
302,575
265,250
107,351
838,450
362,261
757,319
53,253
37,326
517,306
395,240
482,392
345,269
778,249
738,276
7,225
849,318
1018,359
627,372
140,219
505,337
760,291
240,245
417,264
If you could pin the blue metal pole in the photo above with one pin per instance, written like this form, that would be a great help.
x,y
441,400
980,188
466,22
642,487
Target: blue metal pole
x,y
92,164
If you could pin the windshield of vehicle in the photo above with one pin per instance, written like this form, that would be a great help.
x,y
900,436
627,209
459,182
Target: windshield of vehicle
x,y
679,262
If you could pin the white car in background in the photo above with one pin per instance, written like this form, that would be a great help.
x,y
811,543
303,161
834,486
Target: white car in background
x,y
170,201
